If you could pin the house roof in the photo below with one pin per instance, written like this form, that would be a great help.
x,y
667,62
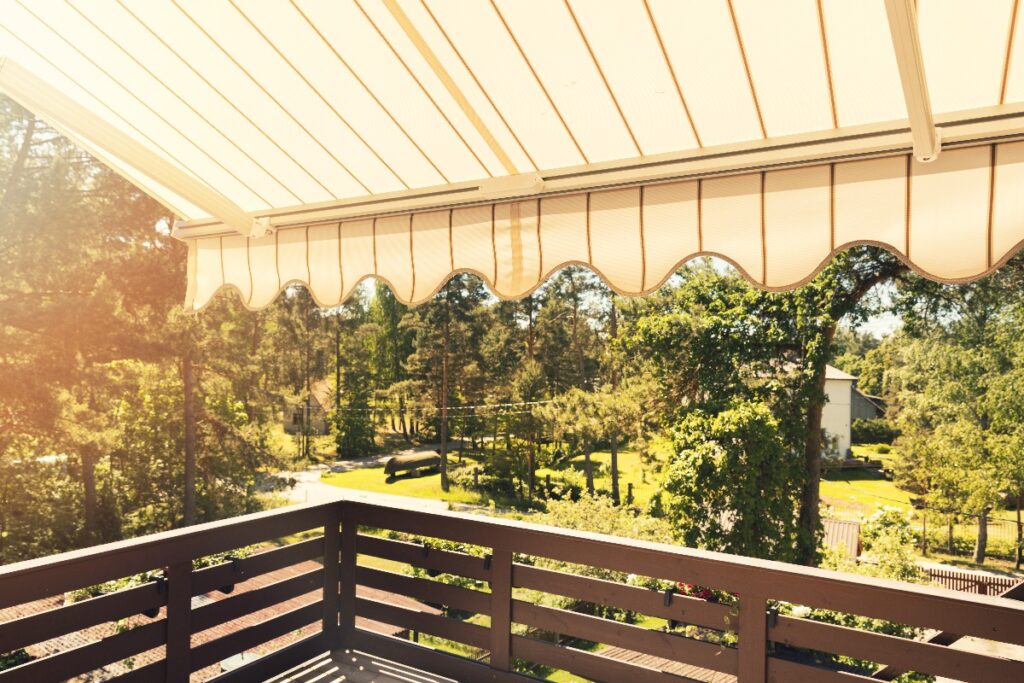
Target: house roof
x,y
320,143
323,394
835,373
842,534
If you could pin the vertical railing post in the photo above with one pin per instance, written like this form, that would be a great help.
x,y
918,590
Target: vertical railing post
x,y
753,635
179,622
332,579
501,609
347,576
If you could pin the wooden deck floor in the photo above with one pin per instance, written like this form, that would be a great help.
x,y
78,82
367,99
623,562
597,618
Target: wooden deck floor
x,y
352,666
357,667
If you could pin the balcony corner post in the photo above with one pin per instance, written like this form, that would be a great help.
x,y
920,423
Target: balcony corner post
x,y
347,574
753,638
501,609
332,578
179,622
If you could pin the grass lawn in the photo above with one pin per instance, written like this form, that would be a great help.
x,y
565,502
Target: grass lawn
x,y
631,471
427,486
992,564
871,451
287,445
865,490
862,490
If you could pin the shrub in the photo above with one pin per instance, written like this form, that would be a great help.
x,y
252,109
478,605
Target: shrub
x,y
13,659
878,430
733,484
884,449
889,546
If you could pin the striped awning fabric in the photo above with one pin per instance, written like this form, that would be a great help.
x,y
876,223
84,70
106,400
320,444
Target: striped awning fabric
x,y
954,219
323,142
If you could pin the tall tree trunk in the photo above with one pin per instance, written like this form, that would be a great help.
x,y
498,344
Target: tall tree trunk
x,y
88,457
307,413
530,324
581,366
613,329
588,466
462,438
1020,534
981,544
254,343
401,419
188,385
494,437
337,367
810,498
924,531
531,464
444,398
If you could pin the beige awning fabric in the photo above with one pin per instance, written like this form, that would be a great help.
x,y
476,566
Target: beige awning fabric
x,y
259,122
954,219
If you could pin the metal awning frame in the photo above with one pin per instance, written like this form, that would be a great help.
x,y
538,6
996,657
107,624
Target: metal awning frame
x,y
980,126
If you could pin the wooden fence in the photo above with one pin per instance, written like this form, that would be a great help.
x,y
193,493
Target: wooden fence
x,y
971,582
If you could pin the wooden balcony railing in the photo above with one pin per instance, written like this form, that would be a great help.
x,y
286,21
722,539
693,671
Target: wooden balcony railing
x,y
768,646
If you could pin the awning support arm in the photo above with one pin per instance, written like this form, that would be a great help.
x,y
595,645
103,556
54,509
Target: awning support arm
x,y
56,108
907,44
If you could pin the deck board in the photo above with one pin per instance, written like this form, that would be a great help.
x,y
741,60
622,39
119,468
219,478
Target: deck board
x,y
353,666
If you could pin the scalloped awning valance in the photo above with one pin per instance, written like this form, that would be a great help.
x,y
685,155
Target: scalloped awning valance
x,y
954,219
299,141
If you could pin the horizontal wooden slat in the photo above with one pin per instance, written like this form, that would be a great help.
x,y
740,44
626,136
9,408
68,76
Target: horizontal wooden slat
x,y
83,659
681,608
226,609
276,662
434,661
908,655
444,561
456,597
982,616
239,641
229,573
587,664
891,673
40,627
40,578
424,622
785,671
658,643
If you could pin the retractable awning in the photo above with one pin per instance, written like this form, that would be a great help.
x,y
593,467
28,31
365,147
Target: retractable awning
x,y
324,142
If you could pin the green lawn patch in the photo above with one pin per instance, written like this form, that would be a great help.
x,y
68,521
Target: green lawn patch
x,y
426,486
874,451
631,470
862,491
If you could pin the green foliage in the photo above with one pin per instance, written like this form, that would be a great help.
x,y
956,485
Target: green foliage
x,y
353,420
597,514
733,484
888,538
134,580
889,548
877,430
13,659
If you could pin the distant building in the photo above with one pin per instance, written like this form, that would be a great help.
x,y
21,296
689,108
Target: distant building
x,y
842,534
836,416
865,406
320,405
